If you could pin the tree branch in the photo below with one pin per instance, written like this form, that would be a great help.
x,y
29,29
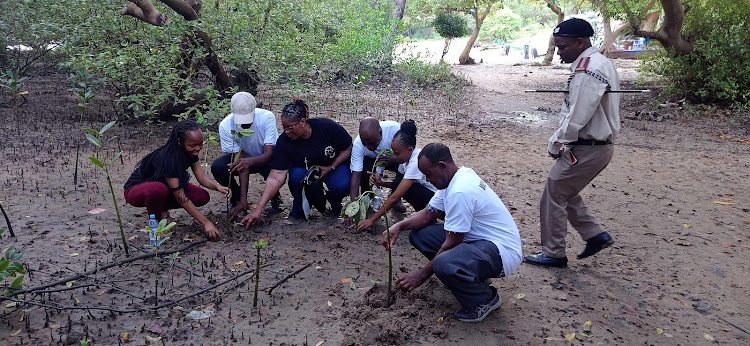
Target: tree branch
x,y
144,10
183,7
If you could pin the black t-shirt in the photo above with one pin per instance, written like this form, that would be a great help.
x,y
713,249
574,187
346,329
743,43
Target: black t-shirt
x,y
145,172
327,141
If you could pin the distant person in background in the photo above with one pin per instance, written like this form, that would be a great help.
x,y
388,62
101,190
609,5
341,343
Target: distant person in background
x,y
307,143
160,181
582,146
255,150
410,184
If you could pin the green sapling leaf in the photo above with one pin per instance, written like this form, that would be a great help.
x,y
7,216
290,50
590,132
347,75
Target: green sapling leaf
x,y
17,282
96,161
94,140
92,131
116,157
106,127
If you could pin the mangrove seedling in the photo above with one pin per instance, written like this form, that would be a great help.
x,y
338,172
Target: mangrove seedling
x,y
258,245
84,87
159,233
95,137
236,156
358,210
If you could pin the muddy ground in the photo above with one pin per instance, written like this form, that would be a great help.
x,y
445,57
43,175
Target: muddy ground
x,y
675,197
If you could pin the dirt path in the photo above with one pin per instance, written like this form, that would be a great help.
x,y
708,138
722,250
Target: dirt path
x,y
674,197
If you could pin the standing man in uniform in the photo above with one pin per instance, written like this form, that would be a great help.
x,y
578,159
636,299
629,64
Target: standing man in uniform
x,y
583,145
256,150
478,241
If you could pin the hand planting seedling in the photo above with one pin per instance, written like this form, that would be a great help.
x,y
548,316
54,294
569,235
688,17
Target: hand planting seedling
x,y
159,233
95,137
258,245
236,156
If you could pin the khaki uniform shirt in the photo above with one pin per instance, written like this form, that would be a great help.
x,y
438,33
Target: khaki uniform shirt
x,y
589,112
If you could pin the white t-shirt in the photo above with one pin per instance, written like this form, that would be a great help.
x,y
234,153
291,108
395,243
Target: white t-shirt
x,y
472,208
410,171
264,126
359,151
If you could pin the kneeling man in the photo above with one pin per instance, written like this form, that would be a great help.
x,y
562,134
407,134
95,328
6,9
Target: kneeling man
x,y
478,241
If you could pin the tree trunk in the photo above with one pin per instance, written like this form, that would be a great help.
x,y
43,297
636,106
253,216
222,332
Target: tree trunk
x,y
551,45
610,37
145,11
445,48
670,32
464,58
398,15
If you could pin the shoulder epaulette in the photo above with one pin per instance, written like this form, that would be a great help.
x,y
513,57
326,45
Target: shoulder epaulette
x,y
582,64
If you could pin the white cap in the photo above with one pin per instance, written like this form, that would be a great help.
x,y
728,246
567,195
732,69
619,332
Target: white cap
x,y
243,108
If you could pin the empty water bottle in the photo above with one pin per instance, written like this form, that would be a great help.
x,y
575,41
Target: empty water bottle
x,y
153,225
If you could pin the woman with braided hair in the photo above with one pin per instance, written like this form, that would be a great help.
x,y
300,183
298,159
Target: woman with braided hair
x,y
161,181
318,146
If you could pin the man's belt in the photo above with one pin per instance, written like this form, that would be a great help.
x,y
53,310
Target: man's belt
x,y
589,141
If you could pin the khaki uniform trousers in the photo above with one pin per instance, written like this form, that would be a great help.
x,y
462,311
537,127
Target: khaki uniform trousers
x,y
561,201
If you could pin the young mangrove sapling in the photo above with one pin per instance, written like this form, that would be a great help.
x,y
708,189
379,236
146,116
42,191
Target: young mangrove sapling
x,y
95,137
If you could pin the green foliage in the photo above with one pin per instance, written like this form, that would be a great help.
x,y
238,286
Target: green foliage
x,y
420,73
450,25
503,24
10,266
718,71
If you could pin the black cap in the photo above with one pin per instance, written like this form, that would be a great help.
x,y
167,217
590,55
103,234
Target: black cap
x,y
574,27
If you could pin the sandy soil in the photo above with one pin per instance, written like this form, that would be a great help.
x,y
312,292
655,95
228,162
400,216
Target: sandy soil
x,y
674,197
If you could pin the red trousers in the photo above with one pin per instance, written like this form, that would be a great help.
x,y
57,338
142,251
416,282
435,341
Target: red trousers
x,y
155,196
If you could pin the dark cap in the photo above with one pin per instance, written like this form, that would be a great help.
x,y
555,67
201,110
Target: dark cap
x,y
574,27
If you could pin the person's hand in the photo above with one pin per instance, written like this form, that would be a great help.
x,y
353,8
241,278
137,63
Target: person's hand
x,y
239,208
411,280
211,232
324,170
240,166
224,190
251,218
364,224
555,156
394,236
375,179
387,160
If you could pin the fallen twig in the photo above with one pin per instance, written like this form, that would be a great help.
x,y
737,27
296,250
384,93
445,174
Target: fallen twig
x,y
10,228
734,325
205,289
164,305
97,269
288,277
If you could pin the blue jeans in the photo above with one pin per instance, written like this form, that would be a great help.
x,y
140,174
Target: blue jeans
x,y
336,181
463,268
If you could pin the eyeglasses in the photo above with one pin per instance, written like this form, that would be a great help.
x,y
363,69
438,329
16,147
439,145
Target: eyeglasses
x,y
291,128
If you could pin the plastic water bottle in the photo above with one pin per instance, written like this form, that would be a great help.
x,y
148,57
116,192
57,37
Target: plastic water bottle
x,y
154,225
377,199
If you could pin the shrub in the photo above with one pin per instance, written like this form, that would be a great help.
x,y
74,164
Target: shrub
x,y
718,71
